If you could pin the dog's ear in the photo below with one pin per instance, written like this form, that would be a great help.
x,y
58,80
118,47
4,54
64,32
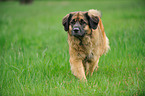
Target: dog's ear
x,y
92,20
66,21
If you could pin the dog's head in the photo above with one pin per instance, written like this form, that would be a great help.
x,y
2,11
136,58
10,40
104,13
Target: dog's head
x,y
80,23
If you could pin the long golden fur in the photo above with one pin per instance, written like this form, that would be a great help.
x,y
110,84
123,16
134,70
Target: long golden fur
x,y
86,50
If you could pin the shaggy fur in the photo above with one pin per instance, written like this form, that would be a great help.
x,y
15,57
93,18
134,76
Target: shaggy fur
x,y
85,51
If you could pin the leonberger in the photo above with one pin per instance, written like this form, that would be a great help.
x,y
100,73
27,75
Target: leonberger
x,y
87,41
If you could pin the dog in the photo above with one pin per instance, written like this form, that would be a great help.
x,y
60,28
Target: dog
x,y
87,41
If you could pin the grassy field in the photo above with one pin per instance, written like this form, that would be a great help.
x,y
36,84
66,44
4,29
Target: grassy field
x,y
34,58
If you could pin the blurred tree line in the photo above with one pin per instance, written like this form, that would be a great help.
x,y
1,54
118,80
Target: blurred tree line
x,y
21,1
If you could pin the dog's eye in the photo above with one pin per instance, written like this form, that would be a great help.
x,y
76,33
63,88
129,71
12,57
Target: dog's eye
x,y
82,22
73,21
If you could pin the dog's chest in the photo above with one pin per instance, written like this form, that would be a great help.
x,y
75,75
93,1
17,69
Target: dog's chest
x,y
83,47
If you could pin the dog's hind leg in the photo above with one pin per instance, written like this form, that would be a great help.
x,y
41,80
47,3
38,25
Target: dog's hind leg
x,y
87,68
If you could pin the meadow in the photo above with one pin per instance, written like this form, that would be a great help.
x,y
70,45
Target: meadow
x,y
34,57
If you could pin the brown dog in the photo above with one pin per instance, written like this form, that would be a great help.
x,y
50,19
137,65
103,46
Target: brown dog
x,y
87,41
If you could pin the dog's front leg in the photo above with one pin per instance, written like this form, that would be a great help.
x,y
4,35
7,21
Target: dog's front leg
x,y
94,65
77,69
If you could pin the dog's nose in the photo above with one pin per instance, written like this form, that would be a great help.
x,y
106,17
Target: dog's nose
x,y
76,30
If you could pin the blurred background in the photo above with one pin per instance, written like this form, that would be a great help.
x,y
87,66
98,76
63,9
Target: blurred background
x,y
21,1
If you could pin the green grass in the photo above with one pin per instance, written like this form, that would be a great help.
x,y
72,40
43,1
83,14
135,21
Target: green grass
x,y
34,58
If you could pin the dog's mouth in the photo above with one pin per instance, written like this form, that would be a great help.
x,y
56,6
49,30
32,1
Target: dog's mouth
x,y
78,32
79,36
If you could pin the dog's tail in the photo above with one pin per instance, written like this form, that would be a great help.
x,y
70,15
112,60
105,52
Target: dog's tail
x,y
95,12
107,45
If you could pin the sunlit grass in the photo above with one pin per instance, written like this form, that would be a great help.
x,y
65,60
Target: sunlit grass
x,y
34,58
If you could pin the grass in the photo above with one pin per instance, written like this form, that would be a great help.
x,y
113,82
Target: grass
x,y
34,58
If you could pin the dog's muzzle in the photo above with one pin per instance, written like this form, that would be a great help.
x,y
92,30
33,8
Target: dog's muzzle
x,y
76,31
